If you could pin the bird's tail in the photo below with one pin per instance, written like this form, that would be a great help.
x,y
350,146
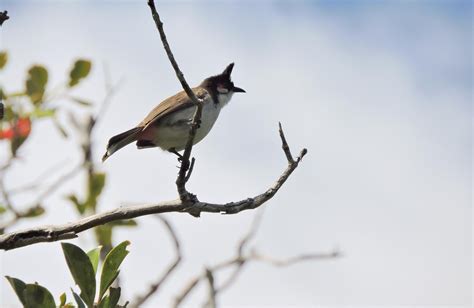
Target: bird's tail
x,y
119,141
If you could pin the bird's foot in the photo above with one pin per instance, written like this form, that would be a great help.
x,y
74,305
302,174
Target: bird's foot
x,y
180,157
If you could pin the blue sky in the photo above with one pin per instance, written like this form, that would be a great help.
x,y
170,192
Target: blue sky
x,y
379,92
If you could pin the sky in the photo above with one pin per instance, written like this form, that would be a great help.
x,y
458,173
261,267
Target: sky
x,y
380,93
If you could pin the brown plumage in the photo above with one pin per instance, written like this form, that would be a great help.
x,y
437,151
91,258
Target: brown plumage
x,y
167,125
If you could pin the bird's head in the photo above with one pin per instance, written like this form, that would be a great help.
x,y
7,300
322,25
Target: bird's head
x,y
221,85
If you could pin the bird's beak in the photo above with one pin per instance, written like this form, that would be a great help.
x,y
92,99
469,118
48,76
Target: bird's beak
x,y
237,89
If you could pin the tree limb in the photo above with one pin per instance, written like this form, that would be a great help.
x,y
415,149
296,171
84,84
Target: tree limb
x,y
70,230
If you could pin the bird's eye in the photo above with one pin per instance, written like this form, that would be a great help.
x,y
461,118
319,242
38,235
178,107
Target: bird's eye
x,y
222,90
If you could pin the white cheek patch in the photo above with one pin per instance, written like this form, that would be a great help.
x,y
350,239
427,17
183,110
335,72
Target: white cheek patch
x,y
222,90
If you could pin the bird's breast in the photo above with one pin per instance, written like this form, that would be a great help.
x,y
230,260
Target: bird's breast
x,y
173,130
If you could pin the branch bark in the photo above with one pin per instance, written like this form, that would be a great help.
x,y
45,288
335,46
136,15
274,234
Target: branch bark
x,y
70,230
184,195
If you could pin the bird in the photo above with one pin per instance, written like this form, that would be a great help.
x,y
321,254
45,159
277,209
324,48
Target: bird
x,y
167,126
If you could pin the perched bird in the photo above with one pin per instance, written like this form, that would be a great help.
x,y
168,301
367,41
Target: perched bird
x,y
167,125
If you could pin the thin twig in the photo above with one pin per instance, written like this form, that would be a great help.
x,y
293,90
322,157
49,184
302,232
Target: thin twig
x,y
6,198
58,183
164,40
240,251
211,302
252,232
36,183
293,260
111,90
238,261
284,145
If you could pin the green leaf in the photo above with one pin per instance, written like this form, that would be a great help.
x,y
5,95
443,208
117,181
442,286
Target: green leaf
x,y
37,296
77,298
80,70
82,271
111,300
111,265
16,143
96,185
2,209
80,101
62,300
43,113
9,114
104,235
3,59
36,83
94,256
18,286
81,207
105,302
114,296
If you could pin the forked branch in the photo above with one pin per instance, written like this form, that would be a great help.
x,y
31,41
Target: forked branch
x,y
70,230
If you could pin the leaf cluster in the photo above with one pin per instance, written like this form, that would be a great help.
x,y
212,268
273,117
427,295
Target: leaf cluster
x,y
19,110
83,267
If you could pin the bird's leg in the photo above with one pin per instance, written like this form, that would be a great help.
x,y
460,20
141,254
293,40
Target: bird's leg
x,y
173,150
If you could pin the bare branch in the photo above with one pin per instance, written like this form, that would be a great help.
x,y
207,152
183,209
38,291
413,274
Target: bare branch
x,y
251,234
138,302
35,206
293,260
238,262
211,303
6,198
36,183
56,184
184,195
189,287
111,90
284,145
52,233
241,260
164,40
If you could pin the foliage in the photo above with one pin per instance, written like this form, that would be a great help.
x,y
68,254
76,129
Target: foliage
x,y
83,267
22,108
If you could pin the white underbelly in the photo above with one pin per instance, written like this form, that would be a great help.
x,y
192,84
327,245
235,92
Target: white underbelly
x,y
173,131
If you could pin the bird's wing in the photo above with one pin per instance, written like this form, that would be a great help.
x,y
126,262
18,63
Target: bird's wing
x,y
172,104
